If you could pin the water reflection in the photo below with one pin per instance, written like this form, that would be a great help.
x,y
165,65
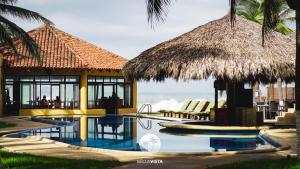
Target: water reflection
x,y
123,133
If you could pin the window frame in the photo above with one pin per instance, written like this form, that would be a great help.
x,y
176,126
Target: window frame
x,y
36,84
95,84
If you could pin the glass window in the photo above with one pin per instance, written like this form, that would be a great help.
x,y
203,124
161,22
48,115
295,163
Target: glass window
x,y
99,91
91,96
62,95
91,79
121,80
72,79
113,80
38,95
27,95
42,78
104,88
120,93
26,79
9,94
128,95
45,91
76,95
9,79
108,91
57,78
70,96
50,92
99,79
55,92
106,79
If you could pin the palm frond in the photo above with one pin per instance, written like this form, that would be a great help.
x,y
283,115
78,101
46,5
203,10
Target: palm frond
x,y
249,6
288,14
23,13
283,28
18,32
259,19
8,2
157,10
6,38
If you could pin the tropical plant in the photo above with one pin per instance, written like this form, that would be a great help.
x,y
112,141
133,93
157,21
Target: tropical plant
x,y
9,30
157,12
254,10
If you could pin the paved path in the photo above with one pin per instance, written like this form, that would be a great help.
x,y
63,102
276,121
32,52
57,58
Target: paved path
x,y
46,147
287,136
22,124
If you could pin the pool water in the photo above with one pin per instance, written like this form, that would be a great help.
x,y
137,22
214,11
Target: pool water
x,y
124,133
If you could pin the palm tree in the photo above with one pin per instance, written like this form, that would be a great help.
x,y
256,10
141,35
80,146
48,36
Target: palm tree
x,y
157,12
9,31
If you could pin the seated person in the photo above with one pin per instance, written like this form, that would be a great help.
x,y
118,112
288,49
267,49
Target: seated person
x,y
44,102
57,102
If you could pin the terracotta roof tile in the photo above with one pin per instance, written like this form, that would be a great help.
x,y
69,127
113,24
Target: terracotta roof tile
x,y
62,50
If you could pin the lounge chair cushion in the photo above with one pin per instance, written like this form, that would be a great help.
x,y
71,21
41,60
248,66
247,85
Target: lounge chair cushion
x,y
185,105
200,107
192,106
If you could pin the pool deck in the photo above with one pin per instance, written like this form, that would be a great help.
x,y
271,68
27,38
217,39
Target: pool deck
x,y
38,146
21,124
189,125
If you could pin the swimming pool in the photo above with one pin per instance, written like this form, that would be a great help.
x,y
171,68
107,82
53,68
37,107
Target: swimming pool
x,y
125,133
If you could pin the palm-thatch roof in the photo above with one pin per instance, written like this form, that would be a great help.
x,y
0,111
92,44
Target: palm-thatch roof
x,y
216,49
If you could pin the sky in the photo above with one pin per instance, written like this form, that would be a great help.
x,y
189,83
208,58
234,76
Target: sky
x,y
121,27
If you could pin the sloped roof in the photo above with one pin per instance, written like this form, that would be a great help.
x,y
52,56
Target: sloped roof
x,y
62,50
218,50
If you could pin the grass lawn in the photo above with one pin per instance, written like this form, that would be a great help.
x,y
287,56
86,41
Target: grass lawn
x,y
5,125
25,161
263,164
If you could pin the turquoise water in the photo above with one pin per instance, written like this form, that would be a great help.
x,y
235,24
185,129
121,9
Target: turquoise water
x,y
124,133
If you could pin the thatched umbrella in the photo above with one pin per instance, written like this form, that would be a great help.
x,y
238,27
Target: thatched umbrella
x,y
216,49
234,55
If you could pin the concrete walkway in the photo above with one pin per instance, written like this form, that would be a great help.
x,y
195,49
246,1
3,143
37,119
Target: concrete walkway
x,y
22,124
284,136
46,147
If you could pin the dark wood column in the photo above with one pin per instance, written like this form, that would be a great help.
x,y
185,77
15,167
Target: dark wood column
x,y
216,99
231,103
237,96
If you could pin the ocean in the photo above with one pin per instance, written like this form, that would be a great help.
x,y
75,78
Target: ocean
x,y
171,100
